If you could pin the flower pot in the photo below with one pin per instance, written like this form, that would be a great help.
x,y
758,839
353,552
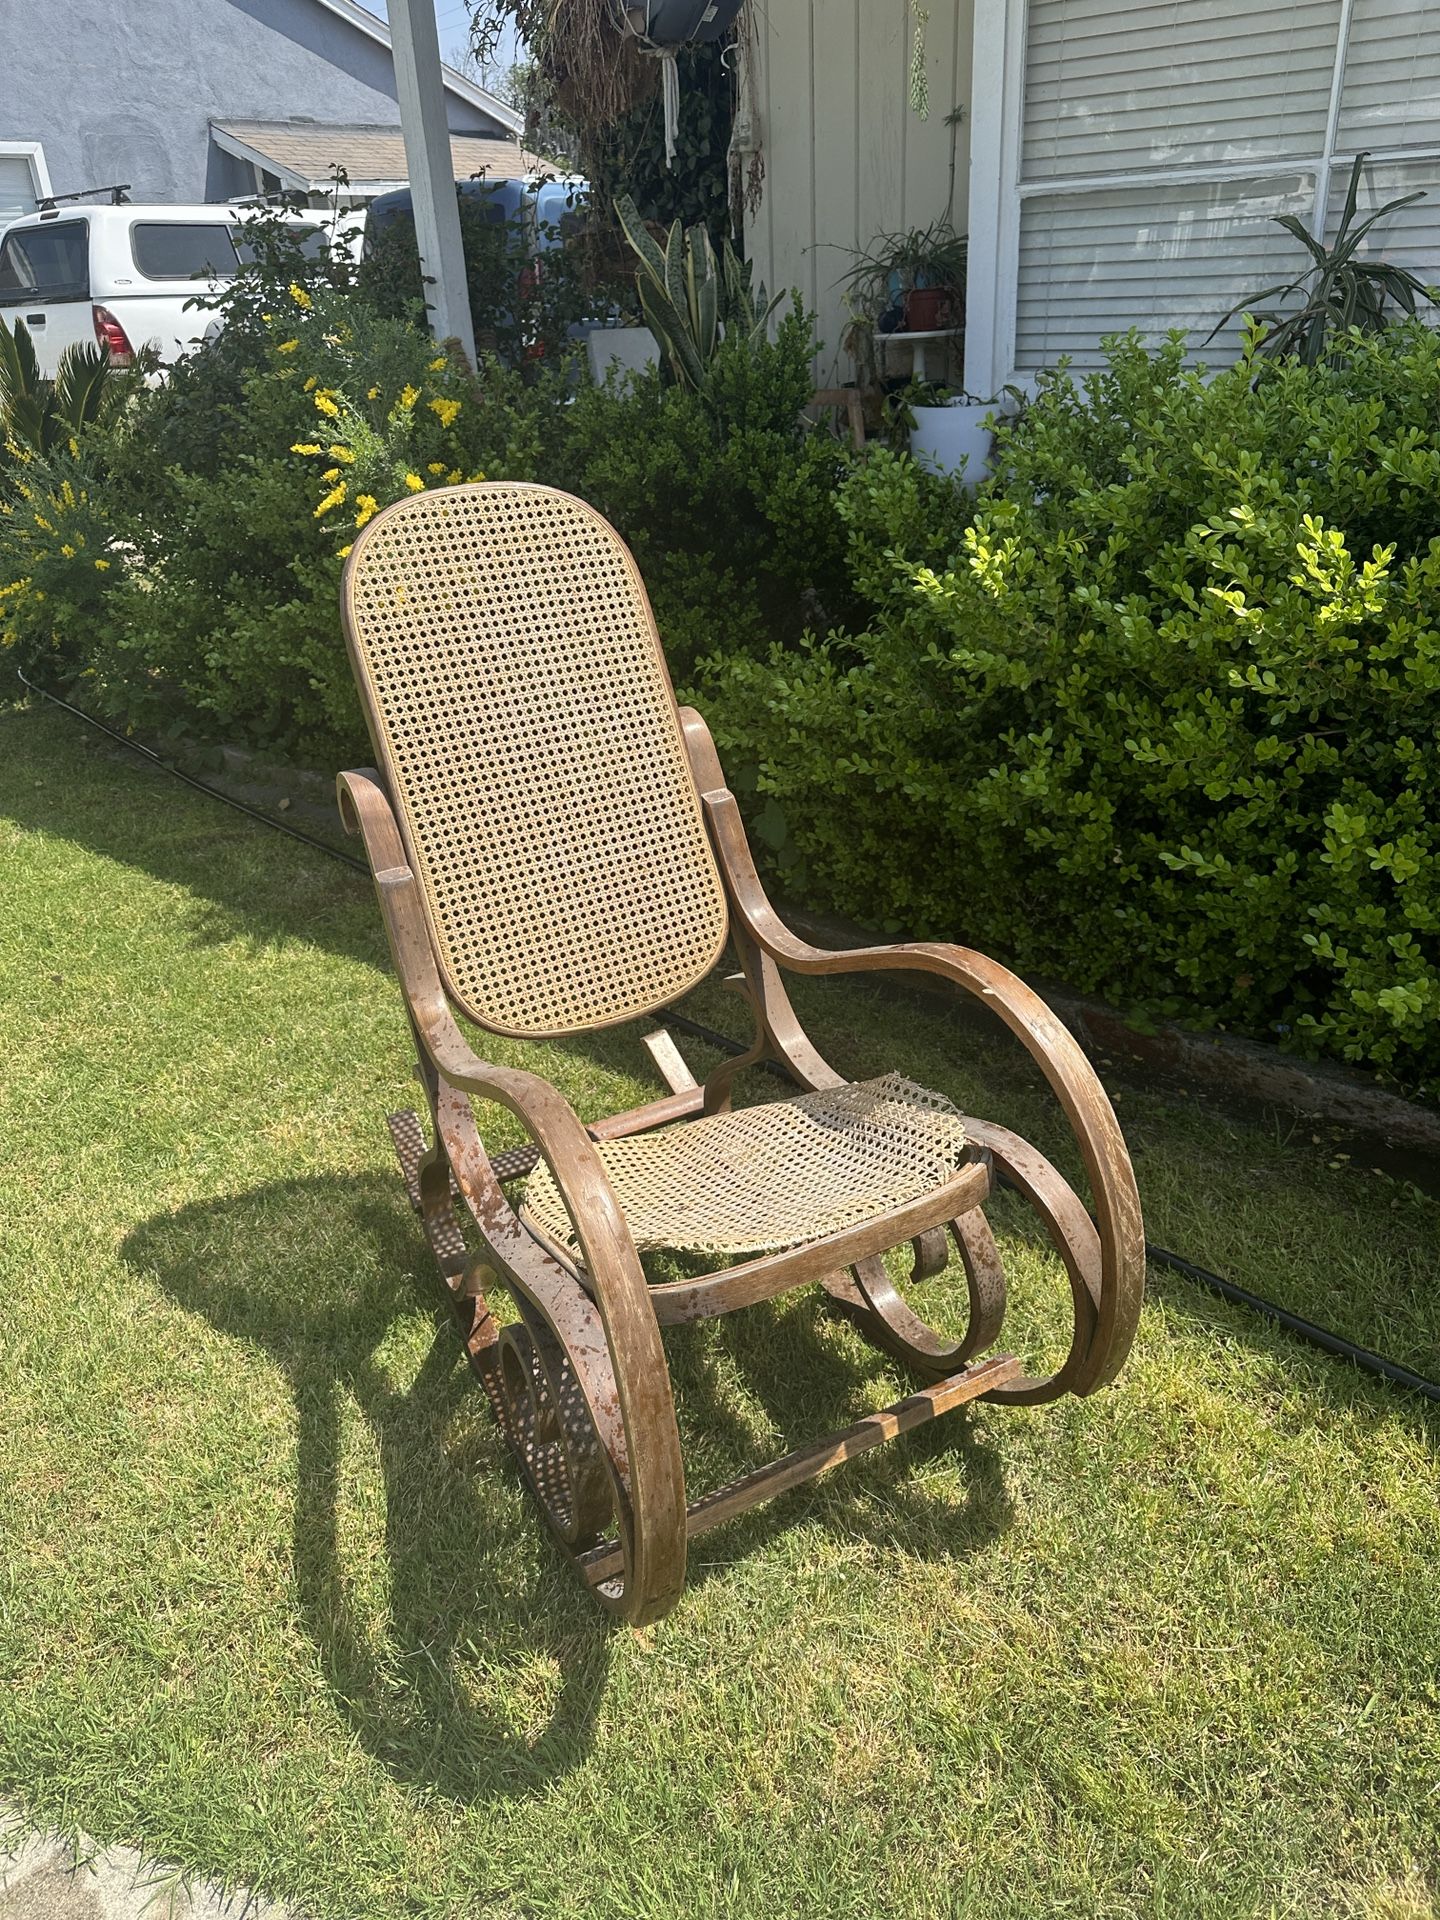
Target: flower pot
x,y
623,349
954,439
928,309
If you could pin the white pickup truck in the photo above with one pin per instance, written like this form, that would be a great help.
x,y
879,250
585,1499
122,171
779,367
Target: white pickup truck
x,y
124,275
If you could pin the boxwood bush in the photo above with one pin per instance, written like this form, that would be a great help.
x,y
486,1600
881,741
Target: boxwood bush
x,y
1156,714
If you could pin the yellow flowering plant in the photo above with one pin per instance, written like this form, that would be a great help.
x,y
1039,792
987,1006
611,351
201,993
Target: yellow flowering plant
x,y
57,563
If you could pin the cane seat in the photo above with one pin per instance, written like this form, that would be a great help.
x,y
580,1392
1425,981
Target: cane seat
x,y
773,1176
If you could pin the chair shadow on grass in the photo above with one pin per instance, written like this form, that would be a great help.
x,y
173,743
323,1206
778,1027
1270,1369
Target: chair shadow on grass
x,y
468,1596
319,1272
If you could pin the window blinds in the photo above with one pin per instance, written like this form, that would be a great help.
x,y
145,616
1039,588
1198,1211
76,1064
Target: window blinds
x,y
1392,76
1161,137
1157,83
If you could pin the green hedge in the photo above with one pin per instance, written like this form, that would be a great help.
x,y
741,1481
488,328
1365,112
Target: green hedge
x,y
183,569
1158,713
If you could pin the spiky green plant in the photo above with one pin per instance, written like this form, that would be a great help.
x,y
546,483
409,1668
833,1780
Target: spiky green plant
x,y
41,414
689,298
1339,290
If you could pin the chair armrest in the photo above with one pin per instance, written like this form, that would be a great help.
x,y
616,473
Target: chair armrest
x,y
551,1121
1071,1077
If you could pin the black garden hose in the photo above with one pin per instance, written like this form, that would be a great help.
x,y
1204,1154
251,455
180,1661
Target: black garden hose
x,y
1293,1323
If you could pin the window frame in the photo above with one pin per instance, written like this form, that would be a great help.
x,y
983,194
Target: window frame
x,y
34,152
998,190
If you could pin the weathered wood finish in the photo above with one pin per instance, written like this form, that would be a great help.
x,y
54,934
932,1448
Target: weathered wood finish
x,y
579,1383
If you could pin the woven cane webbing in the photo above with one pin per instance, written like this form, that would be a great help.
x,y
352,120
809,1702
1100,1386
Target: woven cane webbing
x,y
773,1176
520,704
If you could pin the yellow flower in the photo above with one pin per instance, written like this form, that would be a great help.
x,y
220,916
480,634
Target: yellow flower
x,y
345,455
74,450
436,466
446,411
68,551
311,382
332,499
299,295
41,521
345,551
367,507
439,366
287,346
414,483
372,393
102,566
327,405
305,446
454,477
408,397
331,473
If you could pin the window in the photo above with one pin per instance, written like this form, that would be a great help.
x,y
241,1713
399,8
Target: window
x,y
183,250
312,242
1143,148
23,179
45,263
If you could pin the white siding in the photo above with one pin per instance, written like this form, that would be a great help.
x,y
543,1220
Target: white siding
x,y
845,157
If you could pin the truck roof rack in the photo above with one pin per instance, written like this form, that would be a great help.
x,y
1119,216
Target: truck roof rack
x,y
119,197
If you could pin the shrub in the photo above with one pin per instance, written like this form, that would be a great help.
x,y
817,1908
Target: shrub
x,y
224,610
59,561
232,495
725,496
1157,713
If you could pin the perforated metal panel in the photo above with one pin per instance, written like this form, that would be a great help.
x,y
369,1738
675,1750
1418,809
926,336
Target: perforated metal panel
x,y
523,716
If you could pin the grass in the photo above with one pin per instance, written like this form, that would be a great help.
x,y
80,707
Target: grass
x,y
272,1604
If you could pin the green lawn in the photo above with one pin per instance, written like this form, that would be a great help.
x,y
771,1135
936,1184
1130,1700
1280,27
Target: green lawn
x,y
273,1605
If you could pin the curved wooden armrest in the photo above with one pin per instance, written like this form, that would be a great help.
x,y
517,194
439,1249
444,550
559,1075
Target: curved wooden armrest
x,y
1073,1080
551,1121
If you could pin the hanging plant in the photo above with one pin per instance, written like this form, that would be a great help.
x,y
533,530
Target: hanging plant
x,y
919,79
589,63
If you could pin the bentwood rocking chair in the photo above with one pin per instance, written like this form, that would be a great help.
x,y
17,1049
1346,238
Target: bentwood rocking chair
x,y
554,850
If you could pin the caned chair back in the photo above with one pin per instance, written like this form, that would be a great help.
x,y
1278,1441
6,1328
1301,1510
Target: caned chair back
x,y
517,696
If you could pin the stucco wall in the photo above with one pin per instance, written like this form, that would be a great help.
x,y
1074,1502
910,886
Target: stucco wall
x,y
127,91
846,157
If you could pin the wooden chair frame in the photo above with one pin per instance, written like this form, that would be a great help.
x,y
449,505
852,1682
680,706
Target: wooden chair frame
x,y
579,1383
588,1411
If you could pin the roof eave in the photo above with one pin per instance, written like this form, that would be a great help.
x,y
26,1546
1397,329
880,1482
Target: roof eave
x,y
455,82
289,179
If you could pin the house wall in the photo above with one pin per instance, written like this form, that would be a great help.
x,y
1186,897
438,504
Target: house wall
x,y
846,158
128,91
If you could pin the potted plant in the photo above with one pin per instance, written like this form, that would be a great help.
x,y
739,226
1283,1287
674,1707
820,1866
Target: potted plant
x,y
950,431
911,282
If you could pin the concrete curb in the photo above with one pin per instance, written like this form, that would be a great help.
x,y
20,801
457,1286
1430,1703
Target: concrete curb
x,y
42,1878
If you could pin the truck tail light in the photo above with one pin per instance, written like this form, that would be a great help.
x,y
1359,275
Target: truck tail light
x,y
109,333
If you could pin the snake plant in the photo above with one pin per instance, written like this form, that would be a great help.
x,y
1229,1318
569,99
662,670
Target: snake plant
x,y
689,298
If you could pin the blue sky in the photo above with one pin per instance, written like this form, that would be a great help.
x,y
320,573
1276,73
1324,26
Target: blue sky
x,y
453,19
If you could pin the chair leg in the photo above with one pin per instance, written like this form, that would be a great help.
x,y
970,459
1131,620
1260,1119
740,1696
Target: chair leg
x,y
866,1296
550,1375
